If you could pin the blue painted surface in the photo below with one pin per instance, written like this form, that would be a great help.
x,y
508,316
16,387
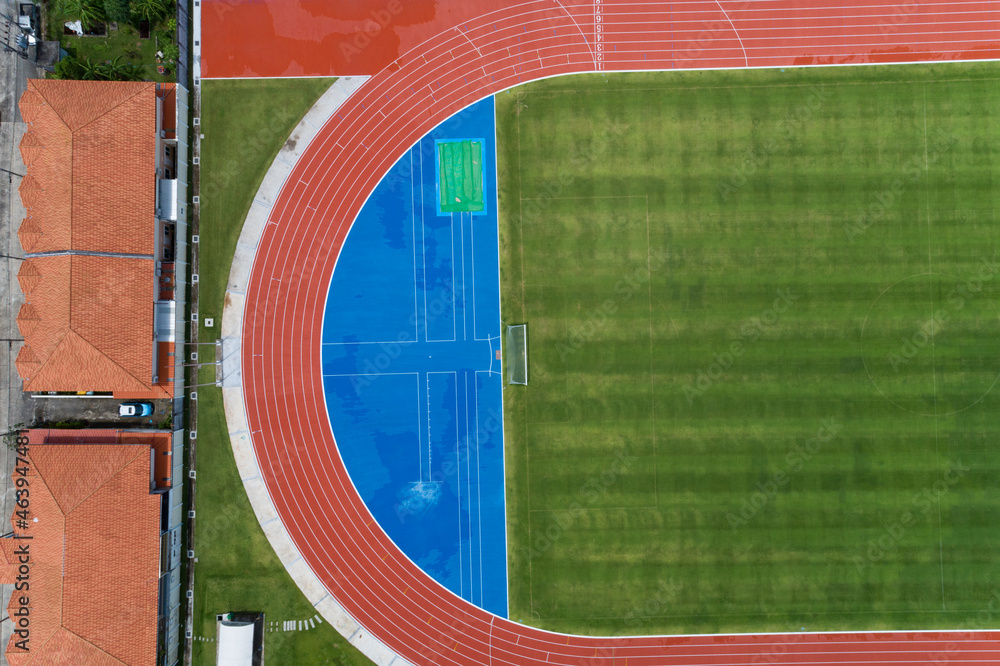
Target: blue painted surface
x,y
412,382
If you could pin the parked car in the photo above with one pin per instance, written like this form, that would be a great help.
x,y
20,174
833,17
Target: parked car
x,y
135,409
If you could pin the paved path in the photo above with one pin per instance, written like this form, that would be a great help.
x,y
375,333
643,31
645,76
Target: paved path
x,y
14,73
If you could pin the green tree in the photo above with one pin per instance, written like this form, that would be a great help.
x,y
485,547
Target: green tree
x,y
69,68
90,12
117,10
116,70
89,70
171,53
150,10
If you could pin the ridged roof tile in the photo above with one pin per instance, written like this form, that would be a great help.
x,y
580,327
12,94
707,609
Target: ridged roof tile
x,y
27,320
31,147
30,190
97,521
29,233
90,186
28,276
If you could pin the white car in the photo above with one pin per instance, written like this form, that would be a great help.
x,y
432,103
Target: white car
x,y
135,409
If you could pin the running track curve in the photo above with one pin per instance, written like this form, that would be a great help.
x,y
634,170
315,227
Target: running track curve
x,y
312,492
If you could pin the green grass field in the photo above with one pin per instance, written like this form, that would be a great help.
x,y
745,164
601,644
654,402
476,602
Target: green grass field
x,y
245,123
763,317
460,176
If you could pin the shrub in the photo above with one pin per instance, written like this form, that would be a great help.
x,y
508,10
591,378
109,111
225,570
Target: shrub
x,y
90,12
69,68
150,10
117,10
171,53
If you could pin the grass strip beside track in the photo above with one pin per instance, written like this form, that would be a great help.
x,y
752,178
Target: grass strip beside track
x,y
245,123
762,311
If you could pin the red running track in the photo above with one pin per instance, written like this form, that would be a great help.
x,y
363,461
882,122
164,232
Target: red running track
x,y
295,447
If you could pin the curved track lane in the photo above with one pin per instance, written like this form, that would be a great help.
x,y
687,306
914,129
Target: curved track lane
x,y
312,492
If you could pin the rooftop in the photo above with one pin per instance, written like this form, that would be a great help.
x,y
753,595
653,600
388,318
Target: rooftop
x,y
93,534
90,235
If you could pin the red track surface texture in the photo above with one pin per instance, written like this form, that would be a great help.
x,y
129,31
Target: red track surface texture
x,y
311,490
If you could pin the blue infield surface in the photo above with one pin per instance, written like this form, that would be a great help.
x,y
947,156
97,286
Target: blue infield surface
x,y
412,370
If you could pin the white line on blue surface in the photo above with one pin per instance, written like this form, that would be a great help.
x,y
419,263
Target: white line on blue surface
x,y
468,484
479,488
465,298
423,248
413,232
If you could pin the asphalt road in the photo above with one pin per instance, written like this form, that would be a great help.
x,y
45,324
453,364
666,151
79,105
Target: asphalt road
x,y
16,408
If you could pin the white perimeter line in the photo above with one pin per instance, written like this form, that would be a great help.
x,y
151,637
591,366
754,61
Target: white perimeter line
x,y
468,485
458,489
582,34
423,254
479,486
427,383
472,240
420,448
470,41
746,60
413,232
454,313
503,456
465,297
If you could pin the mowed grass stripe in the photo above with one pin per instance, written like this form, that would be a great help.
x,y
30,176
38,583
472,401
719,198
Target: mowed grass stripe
x,y
790,278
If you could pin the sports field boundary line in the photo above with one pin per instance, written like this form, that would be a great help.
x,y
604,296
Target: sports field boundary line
x,y
930,269
369,374
746,59
586,41
652,374
465,294
600,196
503,425
524,402
383,342
755,86
658,70
597,508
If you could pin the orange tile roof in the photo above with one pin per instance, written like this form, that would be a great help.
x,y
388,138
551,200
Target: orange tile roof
x,y
90,186
92,146
90,323
92,519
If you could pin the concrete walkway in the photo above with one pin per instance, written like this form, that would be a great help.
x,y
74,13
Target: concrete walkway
x,y
232,387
